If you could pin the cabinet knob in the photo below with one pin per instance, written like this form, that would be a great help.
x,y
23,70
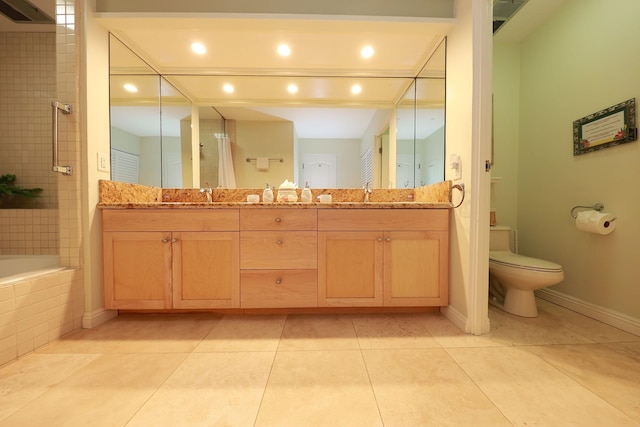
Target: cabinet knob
x,y
165,240
278,242
379,239
388,239
174,240
278,281
278,219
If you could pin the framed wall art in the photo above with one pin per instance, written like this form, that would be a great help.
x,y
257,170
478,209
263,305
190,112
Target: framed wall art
x,y
612,126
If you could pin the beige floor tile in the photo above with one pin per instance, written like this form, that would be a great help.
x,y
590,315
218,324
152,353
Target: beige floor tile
x,y
585,326
378,331
318,332
29,377
450,336
612,371
425,387
529,391
244,333
319,388
210,389
508,329
104,338
169,334
106,392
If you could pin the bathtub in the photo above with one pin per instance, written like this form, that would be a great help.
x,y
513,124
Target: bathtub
x,y
16,268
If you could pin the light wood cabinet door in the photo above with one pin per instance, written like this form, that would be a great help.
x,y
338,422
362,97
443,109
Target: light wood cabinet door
x,y
205,270
137,270
350,268
415,268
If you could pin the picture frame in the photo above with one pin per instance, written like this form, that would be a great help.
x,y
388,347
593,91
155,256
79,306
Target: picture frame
x,y
606,128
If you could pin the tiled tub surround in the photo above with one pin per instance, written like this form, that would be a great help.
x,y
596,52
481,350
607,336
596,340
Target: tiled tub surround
x,y
174,250
38,309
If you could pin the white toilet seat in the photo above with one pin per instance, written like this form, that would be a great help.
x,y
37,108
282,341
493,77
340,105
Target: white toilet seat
x,y
509,259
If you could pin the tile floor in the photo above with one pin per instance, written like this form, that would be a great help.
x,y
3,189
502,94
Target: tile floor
x,y
407,370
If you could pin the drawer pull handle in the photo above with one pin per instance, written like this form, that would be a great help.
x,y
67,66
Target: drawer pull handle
x,y
379,239
278,281
278,242
165,240
388,239
174,240
278,219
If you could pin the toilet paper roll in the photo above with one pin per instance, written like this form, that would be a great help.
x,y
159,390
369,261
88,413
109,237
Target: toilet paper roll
x,y
595,222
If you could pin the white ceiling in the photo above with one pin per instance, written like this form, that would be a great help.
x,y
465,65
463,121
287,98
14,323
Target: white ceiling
x,y
325,62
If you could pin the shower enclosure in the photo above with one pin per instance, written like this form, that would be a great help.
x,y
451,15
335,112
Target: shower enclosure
x,y
37,67
28,226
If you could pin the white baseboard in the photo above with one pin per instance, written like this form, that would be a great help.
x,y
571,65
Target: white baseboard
x,y
455,317
605,315
97,317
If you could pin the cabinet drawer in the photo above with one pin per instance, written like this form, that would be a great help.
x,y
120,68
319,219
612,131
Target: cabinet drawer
x,y
383,219
278,288
278,219
278,249
170,220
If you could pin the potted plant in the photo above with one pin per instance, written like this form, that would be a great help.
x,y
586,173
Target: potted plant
x,y
13,196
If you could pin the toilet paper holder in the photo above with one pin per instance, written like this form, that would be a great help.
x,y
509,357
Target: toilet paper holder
x,y
597,207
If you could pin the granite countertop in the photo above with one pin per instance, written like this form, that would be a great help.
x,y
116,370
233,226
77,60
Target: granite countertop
x,y
117,195
297,205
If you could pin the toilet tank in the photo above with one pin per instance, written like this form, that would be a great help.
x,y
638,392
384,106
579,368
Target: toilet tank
x,y
500,238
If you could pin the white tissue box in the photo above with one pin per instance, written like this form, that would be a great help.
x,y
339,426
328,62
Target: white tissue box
x,y
285,195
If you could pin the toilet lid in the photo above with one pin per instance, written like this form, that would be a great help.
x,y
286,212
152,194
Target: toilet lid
x,y
519,261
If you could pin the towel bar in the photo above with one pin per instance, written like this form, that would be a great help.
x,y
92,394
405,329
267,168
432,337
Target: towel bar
x,y
597,207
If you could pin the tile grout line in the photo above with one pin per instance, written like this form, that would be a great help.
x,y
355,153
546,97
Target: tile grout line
x,y
366,368
476,384
266,384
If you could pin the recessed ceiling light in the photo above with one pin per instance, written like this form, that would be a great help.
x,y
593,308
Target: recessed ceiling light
x,y
228,88
356,89
292,88
198,48
284,50
129,87
367,52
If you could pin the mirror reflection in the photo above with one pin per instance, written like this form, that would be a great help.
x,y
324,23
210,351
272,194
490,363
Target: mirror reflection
x,y
160,137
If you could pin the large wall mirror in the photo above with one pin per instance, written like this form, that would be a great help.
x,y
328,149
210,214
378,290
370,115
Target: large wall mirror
x,y
147,123
167,128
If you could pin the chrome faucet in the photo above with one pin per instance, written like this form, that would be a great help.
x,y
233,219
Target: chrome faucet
x,y
367,190
208,191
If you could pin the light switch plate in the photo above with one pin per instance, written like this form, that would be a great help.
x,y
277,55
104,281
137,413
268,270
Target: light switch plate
x,y
103,162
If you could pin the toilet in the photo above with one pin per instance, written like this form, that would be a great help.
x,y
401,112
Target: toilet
x,y
514,277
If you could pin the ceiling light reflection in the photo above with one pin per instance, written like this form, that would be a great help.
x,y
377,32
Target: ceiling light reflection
x,y
284,50
129,87
198,48
367,52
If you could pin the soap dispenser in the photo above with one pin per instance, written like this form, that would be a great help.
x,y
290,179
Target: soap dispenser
x,y
305,197
267,194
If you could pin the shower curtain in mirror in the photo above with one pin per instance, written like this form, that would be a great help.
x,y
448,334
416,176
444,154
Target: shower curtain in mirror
x,y
226,175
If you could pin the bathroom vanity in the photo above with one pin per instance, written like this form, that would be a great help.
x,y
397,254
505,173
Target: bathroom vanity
x,y
235,255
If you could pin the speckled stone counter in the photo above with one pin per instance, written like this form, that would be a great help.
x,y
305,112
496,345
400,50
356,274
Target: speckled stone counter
x,y
118,195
